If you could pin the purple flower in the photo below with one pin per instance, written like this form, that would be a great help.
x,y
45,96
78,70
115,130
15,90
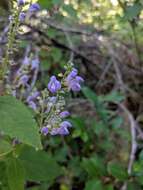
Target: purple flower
x,y
54,85
32,105
21,2
79,79
35,63
33,96
64,114
74,85
74,81
44,130
66,124
22,16
26,61
54,131
53,99
72,74
14,93
63,131
59,131
34,7
10,18
23,80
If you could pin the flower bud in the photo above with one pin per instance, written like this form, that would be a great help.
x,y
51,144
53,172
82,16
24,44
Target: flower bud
x,y
34,7
21,2
64,114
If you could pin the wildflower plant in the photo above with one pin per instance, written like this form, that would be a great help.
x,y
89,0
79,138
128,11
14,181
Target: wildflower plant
x,y
26,112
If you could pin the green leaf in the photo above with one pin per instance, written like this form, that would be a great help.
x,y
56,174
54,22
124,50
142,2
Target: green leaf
x,y
70,10
94,166
93,185
133,186
141,156
48,4
100,108
45,4
51,33
56,54
15,174
57,2
39,165
109,187
112,97
17,121
116,170
79,130
99,127
89,94
132,11
117,122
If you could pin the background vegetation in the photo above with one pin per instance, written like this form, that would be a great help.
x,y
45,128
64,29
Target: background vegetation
x,y
103,38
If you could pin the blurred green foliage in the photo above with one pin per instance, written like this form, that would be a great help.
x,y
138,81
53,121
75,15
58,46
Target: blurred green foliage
x,y
95,155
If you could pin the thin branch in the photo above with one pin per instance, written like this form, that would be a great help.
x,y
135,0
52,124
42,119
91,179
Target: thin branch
x,y
133,125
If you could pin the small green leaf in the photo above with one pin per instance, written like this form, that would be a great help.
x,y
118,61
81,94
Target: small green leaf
x,y
109,187
89,94
94,166
57,2
93,185
45,4
141,156
15,174
70,10
51,33
117,122
17,121
132,11
117,171
112,97
56,54
133,186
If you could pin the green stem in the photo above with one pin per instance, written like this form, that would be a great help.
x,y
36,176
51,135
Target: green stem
x,y
136,44
11,40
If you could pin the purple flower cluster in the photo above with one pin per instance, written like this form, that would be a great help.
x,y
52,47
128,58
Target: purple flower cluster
x,y
22,16
53,121
74,81
25,78
34,7
50,107
31,100
49,103
32,63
